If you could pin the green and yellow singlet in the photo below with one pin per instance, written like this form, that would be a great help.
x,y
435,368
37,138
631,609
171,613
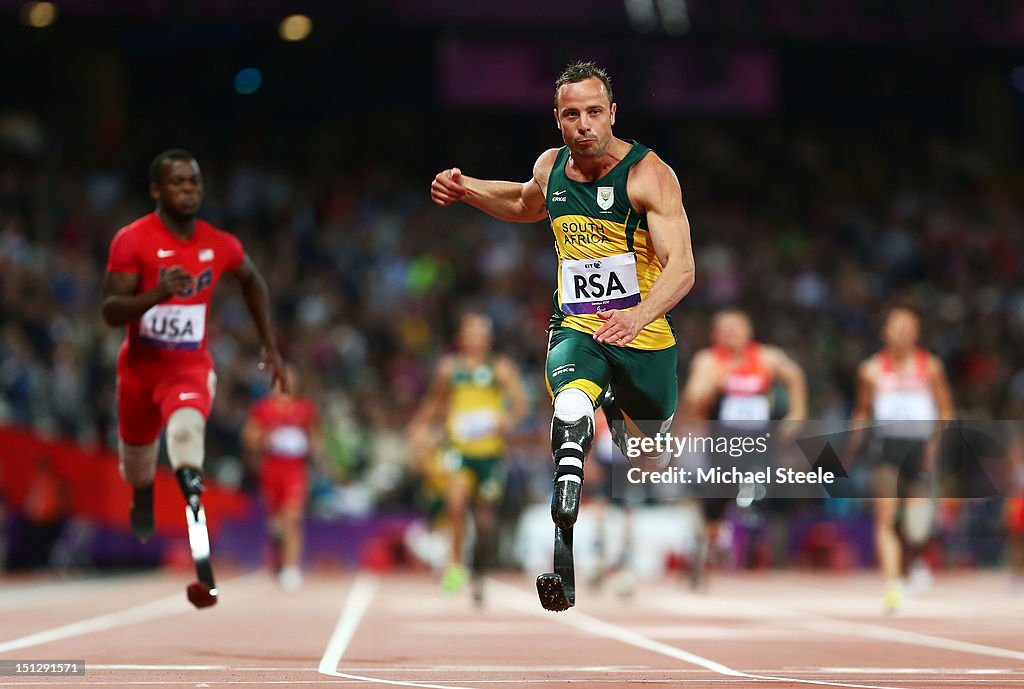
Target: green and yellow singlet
x,y
475,410
606,259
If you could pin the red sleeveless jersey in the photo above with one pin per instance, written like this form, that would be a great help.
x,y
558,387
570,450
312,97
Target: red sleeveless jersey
x,y
173,331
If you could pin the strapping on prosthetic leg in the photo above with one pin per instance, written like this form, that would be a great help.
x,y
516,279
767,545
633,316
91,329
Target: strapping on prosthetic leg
x,y
565,498
572,433
190,481
570,443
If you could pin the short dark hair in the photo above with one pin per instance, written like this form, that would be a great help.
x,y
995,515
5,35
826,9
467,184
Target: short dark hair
x,y
472,313
161,158
904,305
580,71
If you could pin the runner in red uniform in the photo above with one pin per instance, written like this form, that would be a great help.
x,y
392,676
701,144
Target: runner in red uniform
x,y
906,386
283,431
160,278
732,382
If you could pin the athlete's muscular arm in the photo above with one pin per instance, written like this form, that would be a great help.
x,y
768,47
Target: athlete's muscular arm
x,y
865,388
511,383
654,189
253,438
861,411
940,389
433,405
257,300
512,201
702,384
792,376
121,304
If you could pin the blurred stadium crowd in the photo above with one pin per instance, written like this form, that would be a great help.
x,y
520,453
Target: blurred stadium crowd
x,y
812,232
812,219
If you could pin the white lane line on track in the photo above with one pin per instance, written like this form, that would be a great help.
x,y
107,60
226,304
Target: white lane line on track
x,y
918,683
834,625
14,597
174,668
356,604
914,671
517,599
162,607
364,588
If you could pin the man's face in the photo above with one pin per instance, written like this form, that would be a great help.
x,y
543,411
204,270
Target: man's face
x,y
732,331
475,335
180,191
585,117
901,330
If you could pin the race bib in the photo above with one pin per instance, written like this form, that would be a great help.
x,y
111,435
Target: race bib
x,y
915,411
745,408
905,406
599,284
174,326
288,441
474,425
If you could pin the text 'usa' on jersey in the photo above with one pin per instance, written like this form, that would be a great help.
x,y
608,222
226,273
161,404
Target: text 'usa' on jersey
x,y
174,330
606,259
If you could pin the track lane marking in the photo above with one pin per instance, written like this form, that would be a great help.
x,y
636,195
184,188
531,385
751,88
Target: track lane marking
x,y
518,599
800,619
363,590
162,607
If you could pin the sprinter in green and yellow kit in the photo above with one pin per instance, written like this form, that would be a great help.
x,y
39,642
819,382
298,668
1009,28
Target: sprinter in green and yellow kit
x,y
624,260
480,398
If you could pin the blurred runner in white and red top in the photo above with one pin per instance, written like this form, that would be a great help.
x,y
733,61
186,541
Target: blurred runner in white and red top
x,y
732,382
283,431
906,386
160,277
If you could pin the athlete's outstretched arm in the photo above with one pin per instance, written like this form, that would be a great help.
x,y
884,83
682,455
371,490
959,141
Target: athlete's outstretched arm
x,y
253,439
865,387
512,201
792,376
702,384
654,189
511,383
862,411
430,411
257,300
940,389
121,304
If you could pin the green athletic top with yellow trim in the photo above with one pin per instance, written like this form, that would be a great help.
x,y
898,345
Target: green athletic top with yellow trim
x,y
606,259
475,410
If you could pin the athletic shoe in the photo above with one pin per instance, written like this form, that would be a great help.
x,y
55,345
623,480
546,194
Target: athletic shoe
x,y
893,598
920,579
454,579
290,579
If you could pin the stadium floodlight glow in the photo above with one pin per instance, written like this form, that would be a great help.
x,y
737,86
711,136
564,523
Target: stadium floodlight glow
x,y
675,17
642,16
248,81
295,27
38,15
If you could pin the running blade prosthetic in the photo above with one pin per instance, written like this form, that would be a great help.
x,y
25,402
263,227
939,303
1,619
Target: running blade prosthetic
x,y
557,590
202,593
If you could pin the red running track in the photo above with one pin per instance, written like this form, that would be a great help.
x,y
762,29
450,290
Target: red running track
x,y
781,629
